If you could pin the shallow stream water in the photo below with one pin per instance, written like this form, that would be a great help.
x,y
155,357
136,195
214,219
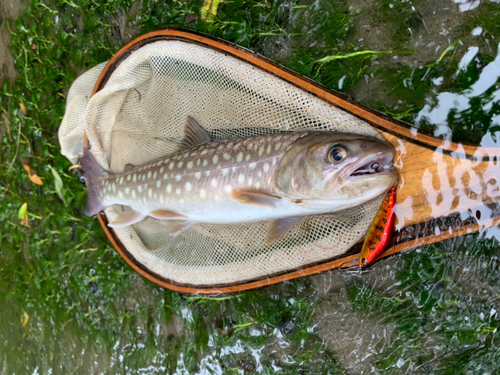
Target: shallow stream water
x,y
70,304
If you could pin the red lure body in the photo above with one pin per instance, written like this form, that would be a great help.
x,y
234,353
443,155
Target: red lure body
x,y
379,234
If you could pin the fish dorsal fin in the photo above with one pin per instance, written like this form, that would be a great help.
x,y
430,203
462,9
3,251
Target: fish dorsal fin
x,y
128,217
162,214
255,197
280,227
194,134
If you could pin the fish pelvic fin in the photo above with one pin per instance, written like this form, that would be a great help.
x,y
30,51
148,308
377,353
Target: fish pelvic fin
x,y
162,214
92,171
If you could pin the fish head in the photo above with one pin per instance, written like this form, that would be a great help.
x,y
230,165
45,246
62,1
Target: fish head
x,y
333,170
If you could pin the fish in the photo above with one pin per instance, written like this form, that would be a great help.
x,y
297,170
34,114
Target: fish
x,y
379,234
279,178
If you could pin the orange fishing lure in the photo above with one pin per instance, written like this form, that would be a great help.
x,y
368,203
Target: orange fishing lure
x,y
380,231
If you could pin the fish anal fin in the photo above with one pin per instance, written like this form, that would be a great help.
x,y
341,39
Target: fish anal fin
x,y
128,217
194,134
180,227
280,227
255,197
162,214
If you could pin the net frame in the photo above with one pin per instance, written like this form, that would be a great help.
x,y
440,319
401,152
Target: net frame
x,y
291,77
419,231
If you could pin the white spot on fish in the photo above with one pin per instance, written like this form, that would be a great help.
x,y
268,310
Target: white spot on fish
x,y
266,167
134,178
221,147
154,175
149,175
129,177
189,165
143,177
252,165
241,178
268,149
127,191
139,189
213,182
203,194
178,177
248,157
230,144
121,180
215,159
178,191
188,186
133,194
162,169
161,199
104,190
113,186
225,171
171,166
169,188
239,157
204,152
257,185
150,193
180,164
165,176
277,147
250,181
205,163
228,189
226,156
261,150
207,173
120,194
197,175
158,184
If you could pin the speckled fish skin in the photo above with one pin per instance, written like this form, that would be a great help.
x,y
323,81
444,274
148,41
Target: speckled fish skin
x,y
245,180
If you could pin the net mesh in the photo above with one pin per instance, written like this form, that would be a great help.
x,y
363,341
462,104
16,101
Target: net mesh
x,y
140,115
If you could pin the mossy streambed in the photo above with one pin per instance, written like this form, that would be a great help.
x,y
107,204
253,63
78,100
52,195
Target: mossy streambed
x,y
70,304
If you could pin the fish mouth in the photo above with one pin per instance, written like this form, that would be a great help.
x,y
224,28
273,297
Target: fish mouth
x,y
374,166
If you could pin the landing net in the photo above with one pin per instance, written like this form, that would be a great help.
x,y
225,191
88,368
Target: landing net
x,y
139,115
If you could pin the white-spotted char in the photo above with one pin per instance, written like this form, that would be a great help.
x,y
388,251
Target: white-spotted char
x,y
280,177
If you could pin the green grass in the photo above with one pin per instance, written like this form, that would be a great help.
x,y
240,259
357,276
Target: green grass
x,y
70,304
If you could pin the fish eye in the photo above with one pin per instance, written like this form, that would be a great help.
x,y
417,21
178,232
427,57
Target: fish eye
x,y
82,179
337,154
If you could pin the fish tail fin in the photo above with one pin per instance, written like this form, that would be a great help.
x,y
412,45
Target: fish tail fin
x,y
92,171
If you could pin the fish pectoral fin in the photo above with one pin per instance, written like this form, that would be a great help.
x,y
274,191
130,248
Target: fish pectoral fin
x,y
255,197
128,167
194,134
181,227
280,227
162,214
128,217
